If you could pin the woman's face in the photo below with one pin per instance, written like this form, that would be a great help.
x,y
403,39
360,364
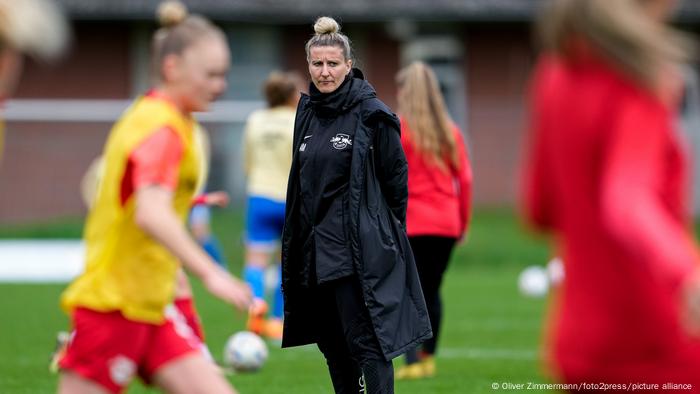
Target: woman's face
x,y
198,75
328,67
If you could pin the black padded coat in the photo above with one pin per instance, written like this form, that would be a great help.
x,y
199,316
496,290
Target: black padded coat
x,y
377,198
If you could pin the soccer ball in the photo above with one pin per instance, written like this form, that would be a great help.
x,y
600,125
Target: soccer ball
x,y
533,281
245,352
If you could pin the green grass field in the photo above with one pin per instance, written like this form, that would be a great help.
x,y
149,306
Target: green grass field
x,y
491,334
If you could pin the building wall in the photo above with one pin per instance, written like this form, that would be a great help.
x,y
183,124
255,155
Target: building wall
x,y
382,62
42,168
499,60
96,67
44,161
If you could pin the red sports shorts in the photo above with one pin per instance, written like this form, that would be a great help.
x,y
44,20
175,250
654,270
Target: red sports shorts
x,y
110,350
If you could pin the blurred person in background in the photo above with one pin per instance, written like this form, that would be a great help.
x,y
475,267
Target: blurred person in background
x,y
135,233
349,279
606,175
439,195
37,28
267,156
200,215
200,227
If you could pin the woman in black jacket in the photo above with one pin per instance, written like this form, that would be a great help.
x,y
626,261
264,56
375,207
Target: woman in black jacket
x,y
348,275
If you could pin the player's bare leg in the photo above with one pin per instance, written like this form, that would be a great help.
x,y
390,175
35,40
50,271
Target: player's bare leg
x,y
192,374
72,383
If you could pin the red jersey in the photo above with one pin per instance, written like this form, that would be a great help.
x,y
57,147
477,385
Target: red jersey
x,y
439,200
606,175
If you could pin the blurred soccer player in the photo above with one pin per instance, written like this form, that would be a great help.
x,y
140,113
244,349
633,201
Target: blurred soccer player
x,y
89,186
135,233
268,156
606,175
183,299
439,192
200,216
35,27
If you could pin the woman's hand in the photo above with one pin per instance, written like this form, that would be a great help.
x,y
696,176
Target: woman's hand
x,y
228,288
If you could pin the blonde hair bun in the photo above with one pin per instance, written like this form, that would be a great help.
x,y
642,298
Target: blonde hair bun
x,y
326,25
36,27
171,12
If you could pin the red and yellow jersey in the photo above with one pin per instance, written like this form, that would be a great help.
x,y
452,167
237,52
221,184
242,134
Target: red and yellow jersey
x,y
126,269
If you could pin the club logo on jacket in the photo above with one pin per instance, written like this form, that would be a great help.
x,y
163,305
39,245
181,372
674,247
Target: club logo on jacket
x,y
341,141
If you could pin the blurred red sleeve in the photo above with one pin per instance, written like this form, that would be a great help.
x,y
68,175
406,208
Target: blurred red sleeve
x,y
537,181
464,180
633,179
155,161
200,200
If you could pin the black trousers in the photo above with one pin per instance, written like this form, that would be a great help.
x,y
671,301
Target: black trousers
x,y
432,255
348,342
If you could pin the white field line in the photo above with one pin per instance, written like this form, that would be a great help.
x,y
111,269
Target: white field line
x,y
40,261
488,354
106,110
455,353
